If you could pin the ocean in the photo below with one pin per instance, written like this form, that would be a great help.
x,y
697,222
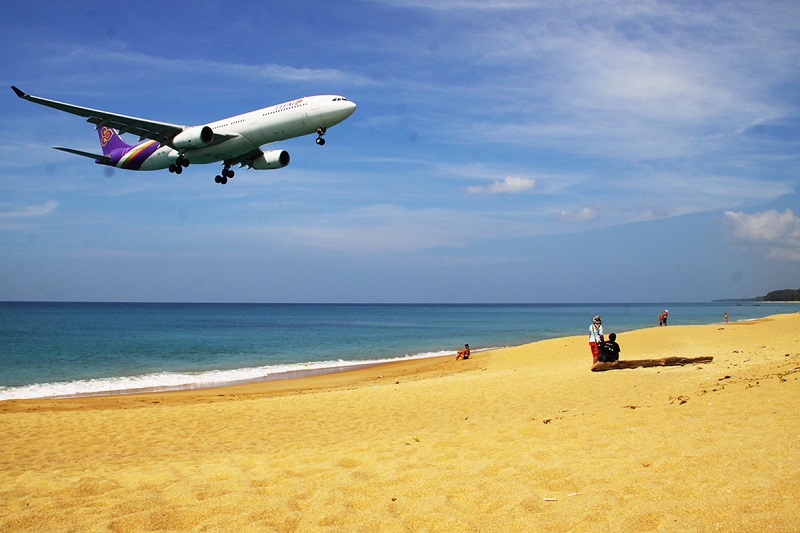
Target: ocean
x,y
73,349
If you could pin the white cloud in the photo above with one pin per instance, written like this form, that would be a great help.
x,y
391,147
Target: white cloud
x,y
578,215
778,234
510,185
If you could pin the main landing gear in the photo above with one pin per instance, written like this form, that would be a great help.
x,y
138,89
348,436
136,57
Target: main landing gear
x,y
180,163
226,174
321,132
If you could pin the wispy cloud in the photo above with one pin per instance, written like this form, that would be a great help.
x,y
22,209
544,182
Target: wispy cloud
x,y
612,80
578,215
465,5
377,228
155,65
28,211
510,185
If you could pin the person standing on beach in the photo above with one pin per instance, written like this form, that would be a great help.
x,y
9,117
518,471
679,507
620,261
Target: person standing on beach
x,y
596,337
666,314
726,318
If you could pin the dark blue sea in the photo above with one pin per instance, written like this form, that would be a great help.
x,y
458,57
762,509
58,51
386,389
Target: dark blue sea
x,y
69,349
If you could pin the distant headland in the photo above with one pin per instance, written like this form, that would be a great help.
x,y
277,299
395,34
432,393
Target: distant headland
x,y
783,295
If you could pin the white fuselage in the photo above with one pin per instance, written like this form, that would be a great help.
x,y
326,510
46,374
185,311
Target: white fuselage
x,y
248,131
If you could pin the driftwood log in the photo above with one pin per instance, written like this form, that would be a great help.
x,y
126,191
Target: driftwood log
x,y
645,363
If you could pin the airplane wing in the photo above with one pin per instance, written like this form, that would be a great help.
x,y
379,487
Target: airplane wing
x,y
162,132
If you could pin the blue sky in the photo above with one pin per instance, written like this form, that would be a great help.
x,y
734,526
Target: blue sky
x,y
502,151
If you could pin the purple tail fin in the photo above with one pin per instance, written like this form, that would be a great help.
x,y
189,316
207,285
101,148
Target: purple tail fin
x,y
110,140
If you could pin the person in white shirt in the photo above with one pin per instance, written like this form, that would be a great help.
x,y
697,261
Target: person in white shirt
x,y
596,338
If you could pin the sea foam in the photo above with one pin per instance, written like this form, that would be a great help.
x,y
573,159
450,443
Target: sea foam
x,y
171,381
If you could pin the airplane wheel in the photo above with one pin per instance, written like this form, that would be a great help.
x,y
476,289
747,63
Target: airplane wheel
x,y
172,168
178,169
224,180
320,141
218,179
185,162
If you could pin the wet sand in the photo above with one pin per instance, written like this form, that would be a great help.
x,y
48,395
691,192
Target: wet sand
x,y
520,439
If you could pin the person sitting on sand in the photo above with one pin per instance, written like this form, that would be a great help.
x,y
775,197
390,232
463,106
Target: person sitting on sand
x,y
463,354
610,350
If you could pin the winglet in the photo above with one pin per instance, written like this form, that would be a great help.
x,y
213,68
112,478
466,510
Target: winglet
x,y
19,93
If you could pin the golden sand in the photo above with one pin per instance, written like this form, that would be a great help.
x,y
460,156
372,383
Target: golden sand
x,y
520,439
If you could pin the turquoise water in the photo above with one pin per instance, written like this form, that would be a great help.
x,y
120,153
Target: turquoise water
x,y
65,349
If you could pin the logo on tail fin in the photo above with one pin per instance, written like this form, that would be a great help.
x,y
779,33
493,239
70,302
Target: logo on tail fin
x,y
111,141
105,135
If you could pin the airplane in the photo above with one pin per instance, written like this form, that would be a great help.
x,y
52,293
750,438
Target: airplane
x,y
233,141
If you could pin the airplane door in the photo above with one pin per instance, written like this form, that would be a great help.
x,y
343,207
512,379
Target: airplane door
x,y
312,109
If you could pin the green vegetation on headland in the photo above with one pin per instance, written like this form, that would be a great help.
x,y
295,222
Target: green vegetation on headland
x,y
783,295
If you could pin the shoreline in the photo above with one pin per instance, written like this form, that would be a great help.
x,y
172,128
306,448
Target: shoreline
x,y
353,374
153,368
347,376
324,368
509,440
276,376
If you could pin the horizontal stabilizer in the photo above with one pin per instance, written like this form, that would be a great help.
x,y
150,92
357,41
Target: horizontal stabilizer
x,y
96,157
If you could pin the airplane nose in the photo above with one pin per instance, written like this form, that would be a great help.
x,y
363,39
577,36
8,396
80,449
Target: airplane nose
x,y
340,111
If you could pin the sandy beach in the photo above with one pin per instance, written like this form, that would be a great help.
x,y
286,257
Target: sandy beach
x,y
519,439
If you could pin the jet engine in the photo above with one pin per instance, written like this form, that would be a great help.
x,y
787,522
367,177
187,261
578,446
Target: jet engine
x,y
271,159
194,137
